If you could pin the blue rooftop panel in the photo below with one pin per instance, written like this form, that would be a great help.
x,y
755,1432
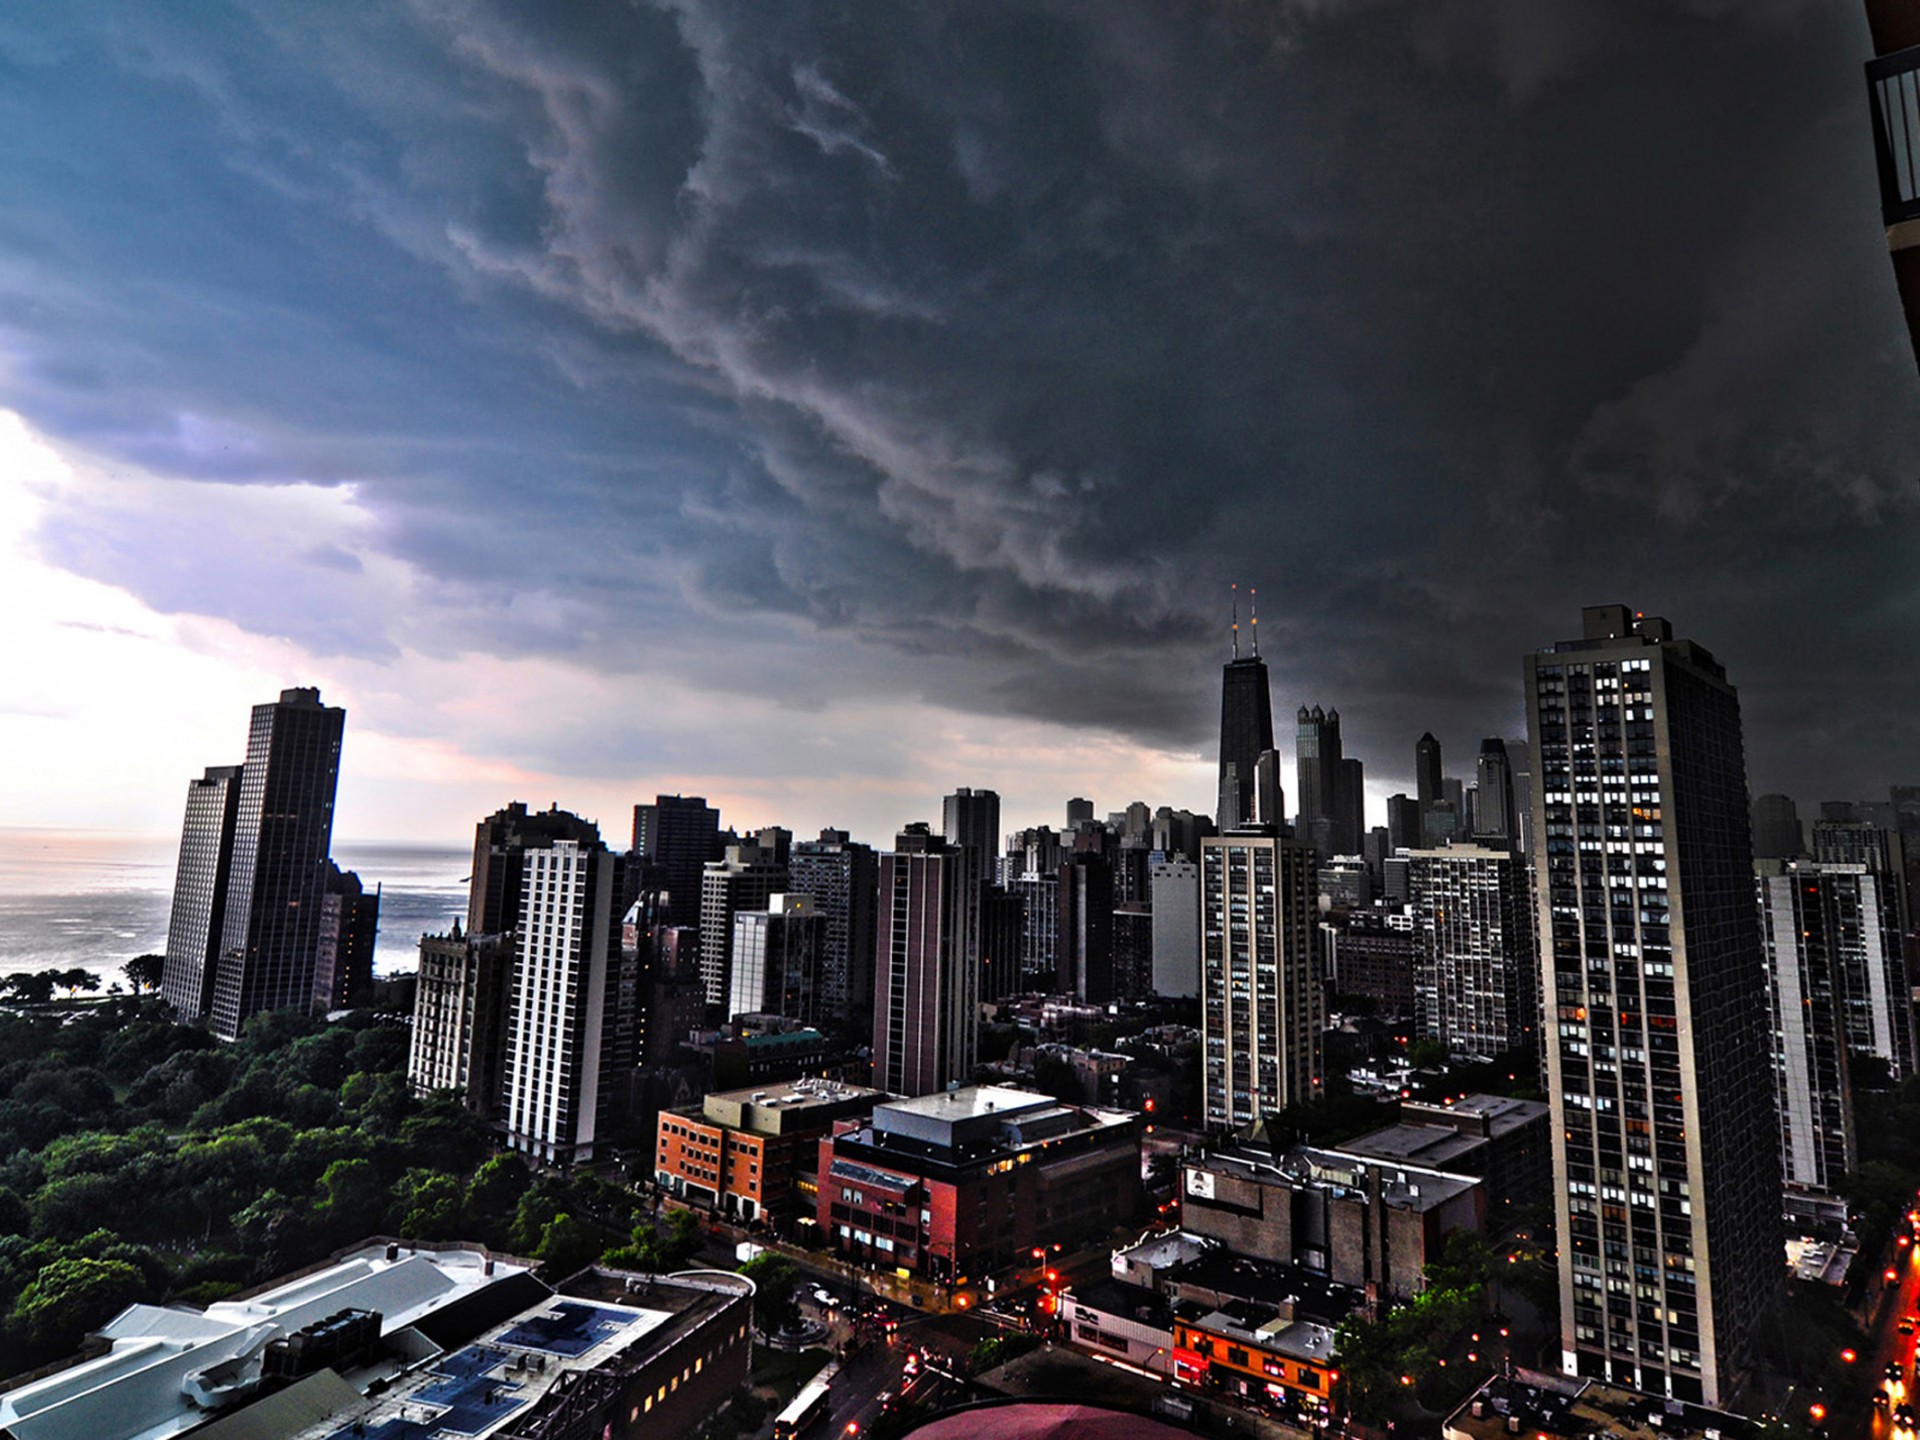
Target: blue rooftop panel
x,y
569,1328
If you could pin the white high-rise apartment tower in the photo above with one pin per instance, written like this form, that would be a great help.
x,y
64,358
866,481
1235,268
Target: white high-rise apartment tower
x,y
1262,1005
570,1018
1666,1156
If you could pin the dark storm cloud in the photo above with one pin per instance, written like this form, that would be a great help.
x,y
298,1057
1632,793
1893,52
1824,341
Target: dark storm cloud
x,y
969,351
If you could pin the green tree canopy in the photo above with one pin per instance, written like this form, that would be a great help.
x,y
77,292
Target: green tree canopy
x,y
569,1244
70,1297
776,1283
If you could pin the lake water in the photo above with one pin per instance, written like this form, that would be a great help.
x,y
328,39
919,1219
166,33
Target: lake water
x,y
93,900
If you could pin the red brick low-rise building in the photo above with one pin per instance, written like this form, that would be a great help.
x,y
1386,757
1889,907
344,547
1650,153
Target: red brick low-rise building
x,y
751,1153
965,1183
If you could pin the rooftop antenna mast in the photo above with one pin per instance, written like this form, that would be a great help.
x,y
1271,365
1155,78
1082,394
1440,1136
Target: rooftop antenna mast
x,y
1253,605
1236,620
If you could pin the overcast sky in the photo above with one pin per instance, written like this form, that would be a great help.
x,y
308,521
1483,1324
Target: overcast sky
x,y
820,407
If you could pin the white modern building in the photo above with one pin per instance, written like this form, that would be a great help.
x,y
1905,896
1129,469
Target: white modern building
x,y
571,1013
1262,1001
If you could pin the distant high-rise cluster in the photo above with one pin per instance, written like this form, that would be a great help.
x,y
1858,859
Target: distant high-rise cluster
x,y
262,919
1700,980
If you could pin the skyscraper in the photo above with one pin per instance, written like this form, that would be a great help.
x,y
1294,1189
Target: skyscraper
x,y
1474,981
972,824
678,835
1085,951
283,831
1176,928
1403,823
500,846
1350,806
1494,821
925,1020
746,878
1246,730
776,959
840,874
200,891
460,1017
1426,771
1331,785
1316,764
349,928
460,1012
570,1019
1812,1084
1776,829
1665,1140
1262,1007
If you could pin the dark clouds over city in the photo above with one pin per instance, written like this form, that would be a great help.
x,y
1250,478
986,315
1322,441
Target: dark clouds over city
x,y
954,359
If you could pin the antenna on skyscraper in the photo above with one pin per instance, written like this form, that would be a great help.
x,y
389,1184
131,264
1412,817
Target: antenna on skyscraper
x,y
1253,606
1236,620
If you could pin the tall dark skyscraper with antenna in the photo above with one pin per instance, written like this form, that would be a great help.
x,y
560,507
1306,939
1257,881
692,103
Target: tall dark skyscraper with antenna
x,y
1246,726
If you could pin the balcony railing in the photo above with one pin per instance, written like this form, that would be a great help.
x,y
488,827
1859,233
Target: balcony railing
x,y
1893,83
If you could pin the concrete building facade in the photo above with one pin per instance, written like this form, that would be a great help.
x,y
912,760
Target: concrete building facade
x,y
1262,1003
570,1016
1666,1143
1474,985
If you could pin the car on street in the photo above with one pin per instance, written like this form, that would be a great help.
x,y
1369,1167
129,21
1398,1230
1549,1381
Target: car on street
x,y
825,1299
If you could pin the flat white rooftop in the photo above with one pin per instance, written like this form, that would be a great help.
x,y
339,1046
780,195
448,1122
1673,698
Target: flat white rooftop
x,y
140,1389
971,1101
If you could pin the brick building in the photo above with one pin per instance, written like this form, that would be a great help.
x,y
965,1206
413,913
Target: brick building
x,y
751,1153
967,1182
1256,1351
1353,1219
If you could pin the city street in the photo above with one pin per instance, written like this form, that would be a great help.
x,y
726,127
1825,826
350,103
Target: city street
x,y
1891,1348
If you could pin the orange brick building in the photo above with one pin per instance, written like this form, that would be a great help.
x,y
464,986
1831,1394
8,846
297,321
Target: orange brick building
x,y
751,1154
1256,1351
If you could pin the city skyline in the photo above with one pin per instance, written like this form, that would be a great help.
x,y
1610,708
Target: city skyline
x,y
851,427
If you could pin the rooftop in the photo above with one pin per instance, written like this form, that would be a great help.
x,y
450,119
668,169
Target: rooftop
x,y
481,1389
1300,1292
763,1108
972,1101
1494,1115
1403,1185
1265,1328
1163,1251
1559,1407
167,1368
1117,1297
1434,1145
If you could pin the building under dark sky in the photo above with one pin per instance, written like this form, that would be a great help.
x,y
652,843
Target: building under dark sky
x,y
200,890
925,1020
500,845
1665,1139
283,832
678,835
1246,731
